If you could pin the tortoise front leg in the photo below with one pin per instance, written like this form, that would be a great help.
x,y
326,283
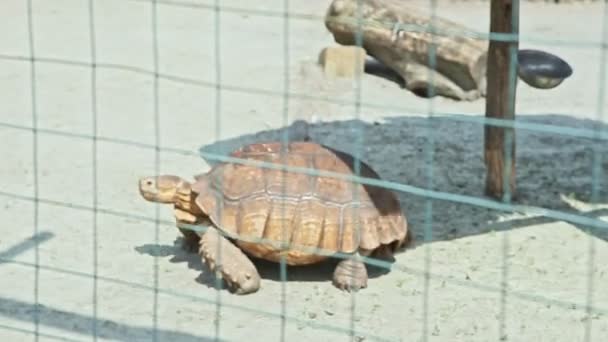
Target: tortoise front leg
x,y
191,240
351,274
236,269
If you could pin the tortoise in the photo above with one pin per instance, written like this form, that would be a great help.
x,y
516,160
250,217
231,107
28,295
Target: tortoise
x,y
247,207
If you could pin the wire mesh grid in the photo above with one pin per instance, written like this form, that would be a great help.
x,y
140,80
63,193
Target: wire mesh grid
x,y
429,192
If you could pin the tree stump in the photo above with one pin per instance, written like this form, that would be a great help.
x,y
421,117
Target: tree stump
x,y
460,68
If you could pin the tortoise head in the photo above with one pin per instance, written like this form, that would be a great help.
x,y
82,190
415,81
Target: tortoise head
x,y
163,188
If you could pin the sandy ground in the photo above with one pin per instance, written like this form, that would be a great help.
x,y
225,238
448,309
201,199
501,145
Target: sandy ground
x,y
545,261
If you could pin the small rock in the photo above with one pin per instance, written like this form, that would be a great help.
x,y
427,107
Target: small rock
x,y
343,61
435,331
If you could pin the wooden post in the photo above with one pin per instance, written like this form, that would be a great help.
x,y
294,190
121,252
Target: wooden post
x,y
500,101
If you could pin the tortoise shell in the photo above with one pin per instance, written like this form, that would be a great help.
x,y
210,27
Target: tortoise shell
x,y
251,203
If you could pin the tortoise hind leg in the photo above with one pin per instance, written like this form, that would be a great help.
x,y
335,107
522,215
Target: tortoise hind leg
x,y
236,268
351,274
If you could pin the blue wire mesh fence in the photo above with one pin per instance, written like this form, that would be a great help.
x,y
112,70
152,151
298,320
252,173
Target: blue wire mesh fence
x,y
428,192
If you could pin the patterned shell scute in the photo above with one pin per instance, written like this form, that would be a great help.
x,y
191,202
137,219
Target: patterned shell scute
x,y
236,181
297,208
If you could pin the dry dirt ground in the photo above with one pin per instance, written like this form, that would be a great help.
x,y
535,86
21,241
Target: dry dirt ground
x,y
545,262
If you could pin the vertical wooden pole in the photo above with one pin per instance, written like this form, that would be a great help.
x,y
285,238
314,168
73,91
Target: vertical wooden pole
x,y
500,98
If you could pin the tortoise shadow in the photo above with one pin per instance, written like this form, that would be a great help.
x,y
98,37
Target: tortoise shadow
x,y
180,255
322,271
319,272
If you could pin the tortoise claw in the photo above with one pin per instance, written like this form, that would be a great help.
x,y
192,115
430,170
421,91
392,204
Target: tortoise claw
x,y
350,275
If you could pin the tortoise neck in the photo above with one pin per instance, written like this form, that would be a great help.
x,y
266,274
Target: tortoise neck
x,y
185,199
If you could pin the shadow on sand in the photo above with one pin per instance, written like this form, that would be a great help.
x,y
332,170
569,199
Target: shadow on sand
x,y
550,168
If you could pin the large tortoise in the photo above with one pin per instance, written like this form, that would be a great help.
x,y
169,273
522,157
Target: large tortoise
x,y
248,203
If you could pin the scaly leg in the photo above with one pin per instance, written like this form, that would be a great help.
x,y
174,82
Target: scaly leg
x,y
229,261
351,274
191,240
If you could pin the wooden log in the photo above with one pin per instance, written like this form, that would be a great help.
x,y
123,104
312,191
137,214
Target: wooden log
x,y
500,100
460,61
